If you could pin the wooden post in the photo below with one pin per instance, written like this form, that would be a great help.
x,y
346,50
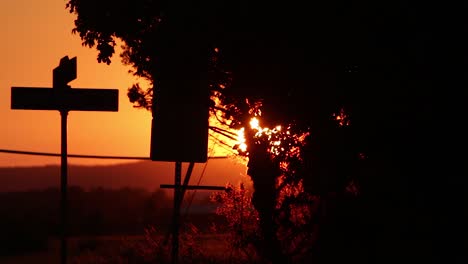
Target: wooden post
x,y
176,213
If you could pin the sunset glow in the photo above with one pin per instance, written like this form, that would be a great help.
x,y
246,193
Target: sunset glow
x,y
37,34
275,137
231,132
254,123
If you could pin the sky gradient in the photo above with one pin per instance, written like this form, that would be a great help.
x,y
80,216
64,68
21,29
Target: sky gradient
x,y
35,36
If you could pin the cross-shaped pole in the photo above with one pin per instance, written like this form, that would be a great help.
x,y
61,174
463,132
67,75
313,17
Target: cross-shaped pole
x,y
64,99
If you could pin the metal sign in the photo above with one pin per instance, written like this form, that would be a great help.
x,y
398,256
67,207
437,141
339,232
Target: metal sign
x,y
61,97
179,131
67,99
64,73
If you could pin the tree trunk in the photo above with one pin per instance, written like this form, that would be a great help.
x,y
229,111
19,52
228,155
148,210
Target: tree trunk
x,y
264,172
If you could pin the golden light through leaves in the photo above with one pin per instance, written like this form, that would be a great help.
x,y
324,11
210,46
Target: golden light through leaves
x,y
254,123
342,118
241,140
280,141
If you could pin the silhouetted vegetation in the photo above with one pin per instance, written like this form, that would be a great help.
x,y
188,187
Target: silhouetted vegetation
x,y
30,219
376,87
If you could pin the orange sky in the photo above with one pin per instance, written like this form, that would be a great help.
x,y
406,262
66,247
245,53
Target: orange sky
x,y
35,35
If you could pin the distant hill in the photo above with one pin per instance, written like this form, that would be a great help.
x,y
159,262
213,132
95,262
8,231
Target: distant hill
x,y
142,174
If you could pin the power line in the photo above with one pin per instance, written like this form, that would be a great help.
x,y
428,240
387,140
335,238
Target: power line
x,y
199,180
21,152
36,153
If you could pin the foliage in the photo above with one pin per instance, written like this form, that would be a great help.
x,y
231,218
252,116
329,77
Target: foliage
x,y
154,247
248,63
242,219
297,214
92,212
341,75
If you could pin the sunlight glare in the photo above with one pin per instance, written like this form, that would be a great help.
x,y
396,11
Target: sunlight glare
x,y
241,140
255,123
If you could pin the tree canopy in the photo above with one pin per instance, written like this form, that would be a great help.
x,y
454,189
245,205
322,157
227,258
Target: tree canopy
x,y
285,55
385,66
301,66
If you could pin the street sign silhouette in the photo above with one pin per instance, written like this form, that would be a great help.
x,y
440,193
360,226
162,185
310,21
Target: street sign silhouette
x,y
64,99
179,129
64,73
61,97
181,99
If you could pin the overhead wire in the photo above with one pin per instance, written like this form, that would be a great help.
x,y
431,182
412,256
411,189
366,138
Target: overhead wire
x,y
35,153
226,133
190,201
221,143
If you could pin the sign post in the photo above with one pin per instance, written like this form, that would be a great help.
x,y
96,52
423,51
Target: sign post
x,y
63,188
179,191
176,212
64,99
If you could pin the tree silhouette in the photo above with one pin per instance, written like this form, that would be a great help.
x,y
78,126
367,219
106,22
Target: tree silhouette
x,y
363,80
